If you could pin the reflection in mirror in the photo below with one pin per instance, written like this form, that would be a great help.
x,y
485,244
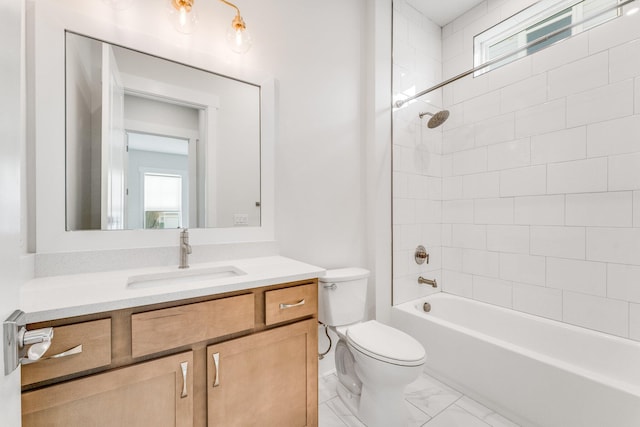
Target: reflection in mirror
x,y
151,143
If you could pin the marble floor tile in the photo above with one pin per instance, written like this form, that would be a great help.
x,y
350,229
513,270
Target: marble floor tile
x,y
328,418
343,412
487,415
417,418
327,387
455,416
430,395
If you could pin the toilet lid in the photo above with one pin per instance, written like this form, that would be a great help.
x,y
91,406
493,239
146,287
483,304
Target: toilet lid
x,y
385,343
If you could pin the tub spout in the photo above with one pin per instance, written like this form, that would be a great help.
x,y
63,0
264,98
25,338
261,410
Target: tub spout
x,y
429,282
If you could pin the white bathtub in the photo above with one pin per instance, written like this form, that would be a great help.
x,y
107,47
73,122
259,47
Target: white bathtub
x,y
536,371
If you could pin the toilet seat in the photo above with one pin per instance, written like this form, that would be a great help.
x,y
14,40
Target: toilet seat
x,y
386,344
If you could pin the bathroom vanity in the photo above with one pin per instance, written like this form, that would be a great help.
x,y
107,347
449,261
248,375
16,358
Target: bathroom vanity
x,y
236,350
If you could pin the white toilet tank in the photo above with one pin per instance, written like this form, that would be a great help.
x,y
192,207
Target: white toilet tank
x,y
342,296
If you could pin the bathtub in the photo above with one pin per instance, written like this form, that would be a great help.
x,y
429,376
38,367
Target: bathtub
x,y
535,371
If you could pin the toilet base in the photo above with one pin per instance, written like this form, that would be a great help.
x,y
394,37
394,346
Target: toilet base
x,y
350,400
370,412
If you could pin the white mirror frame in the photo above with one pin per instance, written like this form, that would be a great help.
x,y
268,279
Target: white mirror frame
x,y
47,22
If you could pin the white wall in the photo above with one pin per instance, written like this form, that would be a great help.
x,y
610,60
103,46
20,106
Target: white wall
x,y
417,182
541,183
12,138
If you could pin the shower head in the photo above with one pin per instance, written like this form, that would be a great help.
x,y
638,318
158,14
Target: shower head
x,y
436,119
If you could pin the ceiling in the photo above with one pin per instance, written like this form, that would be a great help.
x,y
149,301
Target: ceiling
x,y
443,11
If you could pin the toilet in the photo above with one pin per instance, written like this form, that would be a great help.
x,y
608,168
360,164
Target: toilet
x,y
374,362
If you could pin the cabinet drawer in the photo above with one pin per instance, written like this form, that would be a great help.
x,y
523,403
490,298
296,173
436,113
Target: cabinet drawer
x,y
290,303
159,330
95,339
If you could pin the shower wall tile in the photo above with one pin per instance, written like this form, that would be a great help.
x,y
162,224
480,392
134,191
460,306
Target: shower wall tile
x,y
540,210
634,321
458,139
526,181
493,211
470,161
457,283
579,176
452,258
458,211
509,155
482,107
636,208
619,136
469,236
559,146
637,100
495,129
524,94
493,291
578,276
624,61
541,118
614,33
602,314
452,188
518,70
624,172
569,50
522,268
481,185
604,103
571,78
564,242
538,300
616,245
508,238
623,282
538,206
613,209
480,263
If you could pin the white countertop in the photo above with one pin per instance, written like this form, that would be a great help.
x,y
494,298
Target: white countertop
x,y
48,298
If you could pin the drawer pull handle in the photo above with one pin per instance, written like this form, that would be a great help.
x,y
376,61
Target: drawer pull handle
x,y
298,304
216,364
184,366
75,350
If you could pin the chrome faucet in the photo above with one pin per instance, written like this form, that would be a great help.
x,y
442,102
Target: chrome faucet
x,y
429,282
185,248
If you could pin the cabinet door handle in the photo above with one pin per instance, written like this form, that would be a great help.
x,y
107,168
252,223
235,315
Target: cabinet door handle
x,y
298,304
75,350
216,365
184,366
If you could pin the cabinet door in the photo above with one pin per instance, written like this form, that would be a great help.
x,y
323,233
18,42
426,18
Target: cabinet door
x,y
266,379
155,393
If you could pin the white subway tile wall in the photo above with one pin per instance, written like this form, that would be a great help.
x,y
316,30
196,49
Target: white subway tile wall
x,y
540,174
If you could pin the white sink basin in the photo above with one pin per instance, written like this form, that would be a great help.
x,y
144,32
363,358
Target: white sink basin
x,y
185,276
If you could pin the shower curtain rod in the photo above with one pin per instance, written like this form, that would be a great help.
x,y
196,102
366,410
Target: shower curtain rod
x,y
399,103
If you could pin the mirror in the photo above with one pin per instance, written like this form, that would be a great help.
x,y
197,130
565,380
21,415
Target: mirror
x,y
152,143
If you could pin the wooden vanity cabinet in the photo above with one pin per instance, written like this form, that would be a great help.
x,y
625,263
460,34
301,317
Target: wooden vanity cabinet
x,y
161,370
155,393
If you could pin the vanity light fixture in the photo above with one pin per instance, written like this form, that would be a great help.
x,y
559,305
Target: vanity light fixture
x,y
182,15
238,37
184,19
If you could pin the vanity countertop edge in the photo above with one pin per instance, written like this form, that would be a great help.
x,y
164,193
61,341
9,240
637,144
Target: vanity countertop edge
x,y
55,297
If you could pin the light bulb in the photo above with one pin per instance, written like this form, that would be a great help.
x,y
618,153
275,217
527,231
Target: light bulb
x,y
182,15
238,37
